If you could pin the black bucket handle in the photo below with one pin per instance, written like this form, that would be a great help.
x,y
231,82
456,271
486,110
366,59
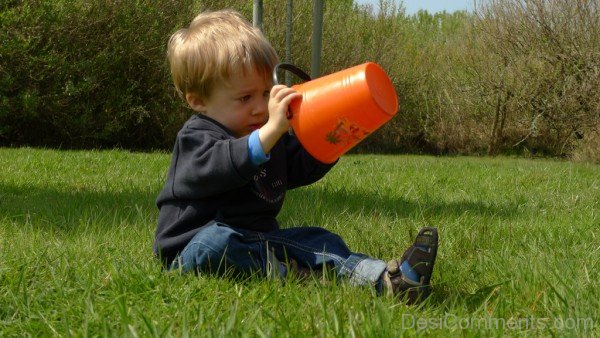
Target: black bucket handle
x,y
291,68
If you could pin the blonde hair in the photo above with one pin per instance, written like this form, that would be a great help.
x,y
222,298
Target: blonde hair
x,y
214,48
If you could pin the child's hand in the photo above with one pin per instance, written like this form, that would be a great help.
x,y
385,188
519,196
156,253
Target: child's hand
x,y
279,101
278,124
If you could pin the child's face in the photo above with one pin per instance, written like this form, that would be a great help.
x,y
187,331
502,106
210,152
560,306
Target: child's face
x,y
240,105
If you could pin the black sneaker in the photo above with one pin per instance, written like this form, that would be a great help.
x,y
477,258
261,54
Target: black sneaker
x,y
421,258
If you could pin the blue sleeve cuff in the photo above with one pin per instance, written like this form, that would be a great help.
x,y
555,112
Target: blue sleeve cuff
x,y
257,155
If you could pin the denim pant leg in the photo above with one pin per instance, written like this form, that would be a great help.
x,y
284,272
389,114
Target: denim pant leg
x,y
314,247
218,248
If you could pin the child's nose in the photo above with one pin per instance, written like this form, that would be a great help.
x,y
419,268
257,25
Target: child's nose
x,y
260,108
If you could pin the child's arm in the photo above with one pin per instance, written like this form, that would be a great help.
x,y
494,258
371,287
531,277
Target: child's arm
x,y
302,168
206,162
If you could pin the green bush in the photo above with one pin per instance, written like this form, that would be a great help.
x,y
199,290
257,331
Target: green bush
x,y
515,77
539,74
87,74
93,74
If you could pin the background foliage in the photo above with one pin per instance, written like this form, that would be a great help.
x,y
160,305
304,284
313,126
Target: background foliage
x,y
514,77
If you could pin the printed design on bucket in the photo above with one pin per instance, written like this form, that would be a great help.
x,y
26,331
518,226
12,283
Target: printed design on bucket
x,y
346,133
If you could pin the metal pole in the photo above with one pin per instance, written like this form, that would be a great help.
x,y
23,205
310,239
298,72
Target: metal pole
x,y
317,37
288,40
257,14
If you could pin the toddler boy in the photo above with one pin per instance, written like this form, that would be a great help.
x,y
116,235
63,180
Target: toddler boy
x,y
233,162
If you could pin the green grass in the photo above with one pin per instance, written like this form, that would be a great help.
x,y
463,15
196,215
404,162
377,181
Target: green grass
x,y
519,250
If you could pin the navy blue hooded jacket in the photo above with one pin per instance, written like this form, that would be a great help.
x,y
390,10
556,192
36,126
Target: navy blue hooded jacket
x,y
211,177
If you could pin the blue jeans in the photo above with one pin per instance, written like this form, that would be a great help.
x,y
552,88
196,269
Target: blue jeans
x,y
218,248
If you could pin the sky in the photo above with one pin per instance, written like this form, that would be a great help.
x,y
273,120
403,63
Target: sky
x,y
432,6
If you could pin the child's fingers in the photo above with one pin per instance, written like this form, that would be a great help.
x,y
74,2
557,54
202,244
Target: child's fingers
x,y
281,92
281,97
275,90
289,97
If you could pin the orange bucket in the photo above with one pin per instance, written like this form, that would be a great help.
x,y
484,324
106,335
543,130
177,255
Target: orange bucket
x,y
339,110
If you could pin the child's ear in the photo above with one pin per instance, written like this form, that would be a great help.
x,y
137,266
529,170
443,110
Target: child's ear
x,y
195,102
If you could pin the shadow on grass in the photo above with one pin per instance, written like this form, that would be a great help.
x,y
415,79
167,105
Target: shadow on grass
x,y
67,208
450,298
334,201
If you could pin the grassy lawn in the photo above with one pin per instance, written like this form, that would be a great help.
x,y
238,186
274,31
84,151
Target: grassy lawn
x,y
519,250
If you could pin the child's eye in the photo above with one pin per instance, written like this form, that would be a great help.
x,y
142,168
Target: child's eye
x,y
245,98
266,93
